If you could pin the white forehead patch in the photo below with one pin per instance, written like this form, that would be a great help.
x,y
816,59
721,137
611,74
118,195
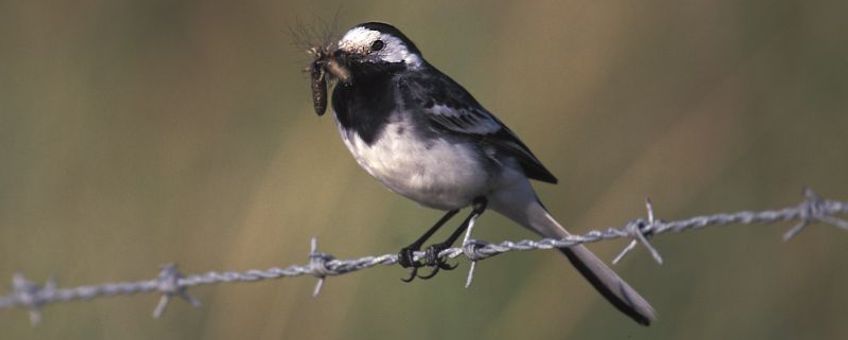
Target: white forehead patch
x,y
359,40
358,37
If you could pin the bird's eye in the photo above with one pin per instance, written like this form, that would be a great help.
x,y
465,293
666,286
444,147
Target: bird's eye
x,y
377,45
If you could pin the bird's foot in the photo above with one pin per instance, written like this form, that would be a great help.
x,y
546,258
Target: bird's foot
x,y
406,259
431,259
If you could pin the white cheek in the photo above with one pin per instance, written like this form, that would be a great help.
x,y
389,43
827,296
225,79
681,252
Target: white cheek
x,y
359,40
396,52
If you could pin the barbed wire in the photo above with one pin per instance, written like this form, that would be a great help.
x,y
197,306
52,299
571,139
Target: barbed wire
x,y
171,283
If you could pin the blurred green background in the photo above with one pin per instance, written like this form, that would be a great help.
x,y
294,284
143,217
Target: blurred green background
x,y
136,133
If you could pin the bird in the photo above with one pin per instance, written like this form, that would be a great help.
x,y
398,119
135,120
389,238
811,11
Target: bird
x,y
425,137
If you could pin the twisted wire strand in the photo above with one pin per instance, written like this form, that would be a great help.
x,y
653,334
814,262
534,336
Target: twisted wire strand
x,y
171,283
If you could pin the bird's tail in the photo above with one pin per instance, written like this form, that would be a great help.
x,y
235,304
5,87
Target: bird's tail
x,y
607,282
534,216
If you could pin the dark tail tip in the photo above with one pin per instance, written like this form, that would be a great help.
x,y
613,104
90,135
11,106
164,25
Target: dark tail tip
x,y
620,299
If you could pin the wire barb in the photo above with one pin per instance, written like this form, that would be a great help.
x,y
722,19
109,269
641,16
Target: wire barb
x,y
170,282
813,209
468,248
640,231
31,295
318,265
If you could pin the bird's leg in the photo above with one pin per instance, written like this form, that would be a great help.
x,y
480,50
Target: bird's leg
x,y
438,262
405,257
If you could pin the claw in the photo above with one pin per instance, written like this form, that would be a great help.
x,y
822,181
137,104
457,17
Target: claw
x,y
448,266
439,265
412,275
432,259
431,275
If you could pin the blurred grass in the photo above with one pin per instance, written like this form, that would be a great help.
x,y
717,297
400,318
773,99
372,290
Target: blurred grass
x,y
134,133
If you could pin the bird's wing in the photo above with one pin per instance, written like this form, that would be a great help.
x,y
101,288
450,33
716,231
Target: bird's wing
x,y
450,107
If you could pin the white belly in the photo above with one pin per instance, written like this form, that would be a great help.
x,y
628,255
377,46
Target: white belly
x,y
434,173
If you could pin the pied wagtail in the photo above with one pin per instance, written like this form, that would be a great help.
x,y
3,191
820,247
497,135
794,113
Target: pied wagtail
x,y
426,138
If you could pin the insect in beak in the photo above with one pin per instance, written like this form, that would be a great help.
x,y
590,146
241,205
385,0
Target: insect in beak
x,y
324,62
319,87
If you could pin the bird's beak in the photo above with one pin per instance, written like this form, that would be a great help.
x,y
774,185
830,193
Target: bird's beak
x,y
342,57
339,65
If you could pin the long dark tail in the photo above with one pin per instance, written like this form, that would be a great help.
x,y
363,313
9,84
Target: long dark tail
x,y
531,214
605,280
610,285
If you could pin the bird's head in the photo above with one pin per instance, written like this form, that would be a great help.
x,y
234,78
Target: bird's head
x,y
376,48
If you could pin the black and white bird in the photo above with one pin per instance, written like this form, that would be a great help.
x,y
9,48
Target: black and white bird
x,y
426,138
